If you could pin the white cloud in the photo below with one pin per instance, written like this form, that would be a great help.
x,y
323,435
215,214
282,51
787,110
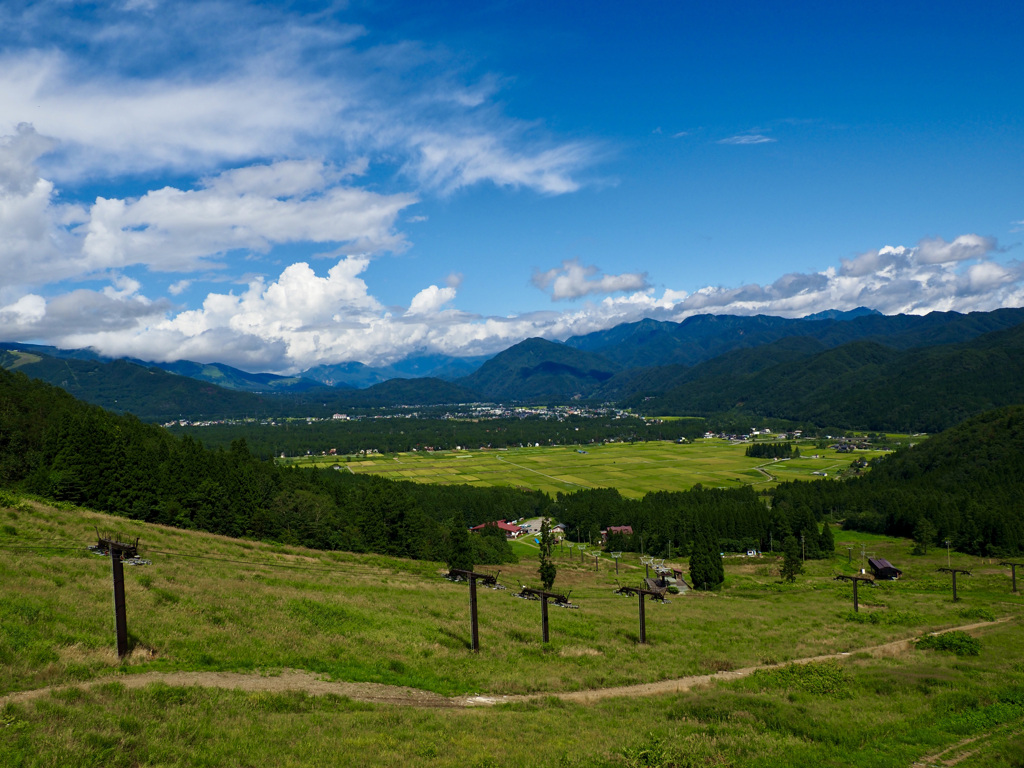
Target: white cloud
x,y
35,243
250,208
183,86
935,250
302,319
573,280
179,287
747,138
430,300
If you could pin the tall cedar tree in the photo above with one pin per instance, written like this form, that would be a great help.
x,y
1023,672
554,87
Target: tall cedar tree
x,y
460,548
791,562
924,535
827,542
706,569
547,566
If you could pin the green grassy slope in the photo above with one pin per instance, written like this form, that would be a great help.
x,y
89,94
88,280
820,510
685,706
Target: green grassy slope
x,y
209,603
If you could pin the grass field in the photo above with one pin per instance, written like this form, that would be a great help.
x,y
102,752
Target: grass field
x,y
634,469
208,604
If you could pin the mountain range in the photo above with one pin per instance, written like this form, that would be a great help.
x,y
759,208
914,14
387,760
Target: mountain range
x,y
853,369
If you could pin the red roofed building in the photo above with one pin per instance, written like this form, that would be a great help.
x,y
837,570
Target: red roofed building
x,y
625,530
511,531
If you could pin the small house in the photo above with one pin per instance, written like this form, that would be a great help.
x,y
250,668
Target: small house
x,y
883,569
625,530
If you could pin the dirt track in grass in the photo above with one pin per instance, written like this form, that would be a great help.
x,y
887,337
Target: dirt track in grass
x,y
375,693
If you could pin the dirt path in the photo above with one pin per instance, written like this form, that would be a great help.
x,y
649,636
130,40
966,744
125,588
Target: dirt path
x,y
376,693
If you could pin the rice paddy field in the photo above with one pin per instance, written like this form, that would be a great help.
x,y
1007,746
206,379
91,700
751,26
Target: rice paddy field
x,y
254,654
634,469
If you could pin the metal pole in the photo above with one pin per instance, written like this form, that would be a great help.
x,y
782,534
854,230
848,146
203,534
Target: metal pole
x,y
643,622
472,613
120,616
544,616
617,571
1013,575
596,561
855,607
954,586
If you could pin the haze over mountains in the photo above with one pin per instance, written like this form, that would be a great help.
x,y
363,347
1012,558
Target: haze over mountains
x,y
857,368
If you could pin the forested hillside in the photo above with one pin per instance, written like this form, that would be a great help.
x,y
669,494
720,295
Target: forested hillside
x,y
60,448
861,385
967,483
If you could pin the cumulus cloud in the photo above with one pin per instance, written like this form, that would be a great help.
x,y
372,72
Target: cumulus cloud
x,y
430,300
935,250
249,208
573,280
302,318
35,242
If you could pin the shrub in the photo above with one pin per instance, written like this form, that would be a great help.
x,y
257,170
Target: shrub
x,y
980,614
826,678
957,642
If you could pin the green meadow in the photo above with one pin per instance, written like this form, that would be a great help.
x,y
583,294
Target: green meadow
x,y
633,468
209,605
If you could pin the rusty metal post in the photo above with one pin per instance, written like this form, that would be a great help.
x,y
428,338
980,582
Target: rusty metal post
x,y
954,587
472,613
856,608
616,566
544,616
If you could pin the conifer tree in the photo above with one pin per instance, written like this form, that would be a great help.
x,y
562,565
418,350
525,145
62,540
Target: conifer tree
x,y
924,535
792,565
547,566
826,542
460,548
706,569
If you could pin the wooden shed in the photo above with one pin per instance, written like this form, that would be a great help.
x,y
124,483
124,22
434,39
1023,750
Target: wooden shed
x,y
883,569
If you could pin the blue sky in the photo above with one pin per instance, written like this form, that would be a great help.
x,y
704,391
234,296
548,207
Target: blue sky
x,y
281,185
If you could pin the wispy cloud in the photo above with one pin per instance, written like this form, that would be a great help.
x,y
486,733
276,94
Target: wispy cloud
x,y
174,87
747,138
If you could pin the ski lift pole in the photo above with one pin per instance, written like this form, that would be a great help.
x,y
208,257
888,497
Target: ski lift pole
x,y
954,571
1013,573
640,593
854,579
119,550
528,593
492,581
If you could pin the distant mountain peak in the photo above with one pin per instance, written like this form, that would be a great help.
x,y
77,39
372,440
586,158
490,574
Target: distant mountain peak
x,y
840,315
